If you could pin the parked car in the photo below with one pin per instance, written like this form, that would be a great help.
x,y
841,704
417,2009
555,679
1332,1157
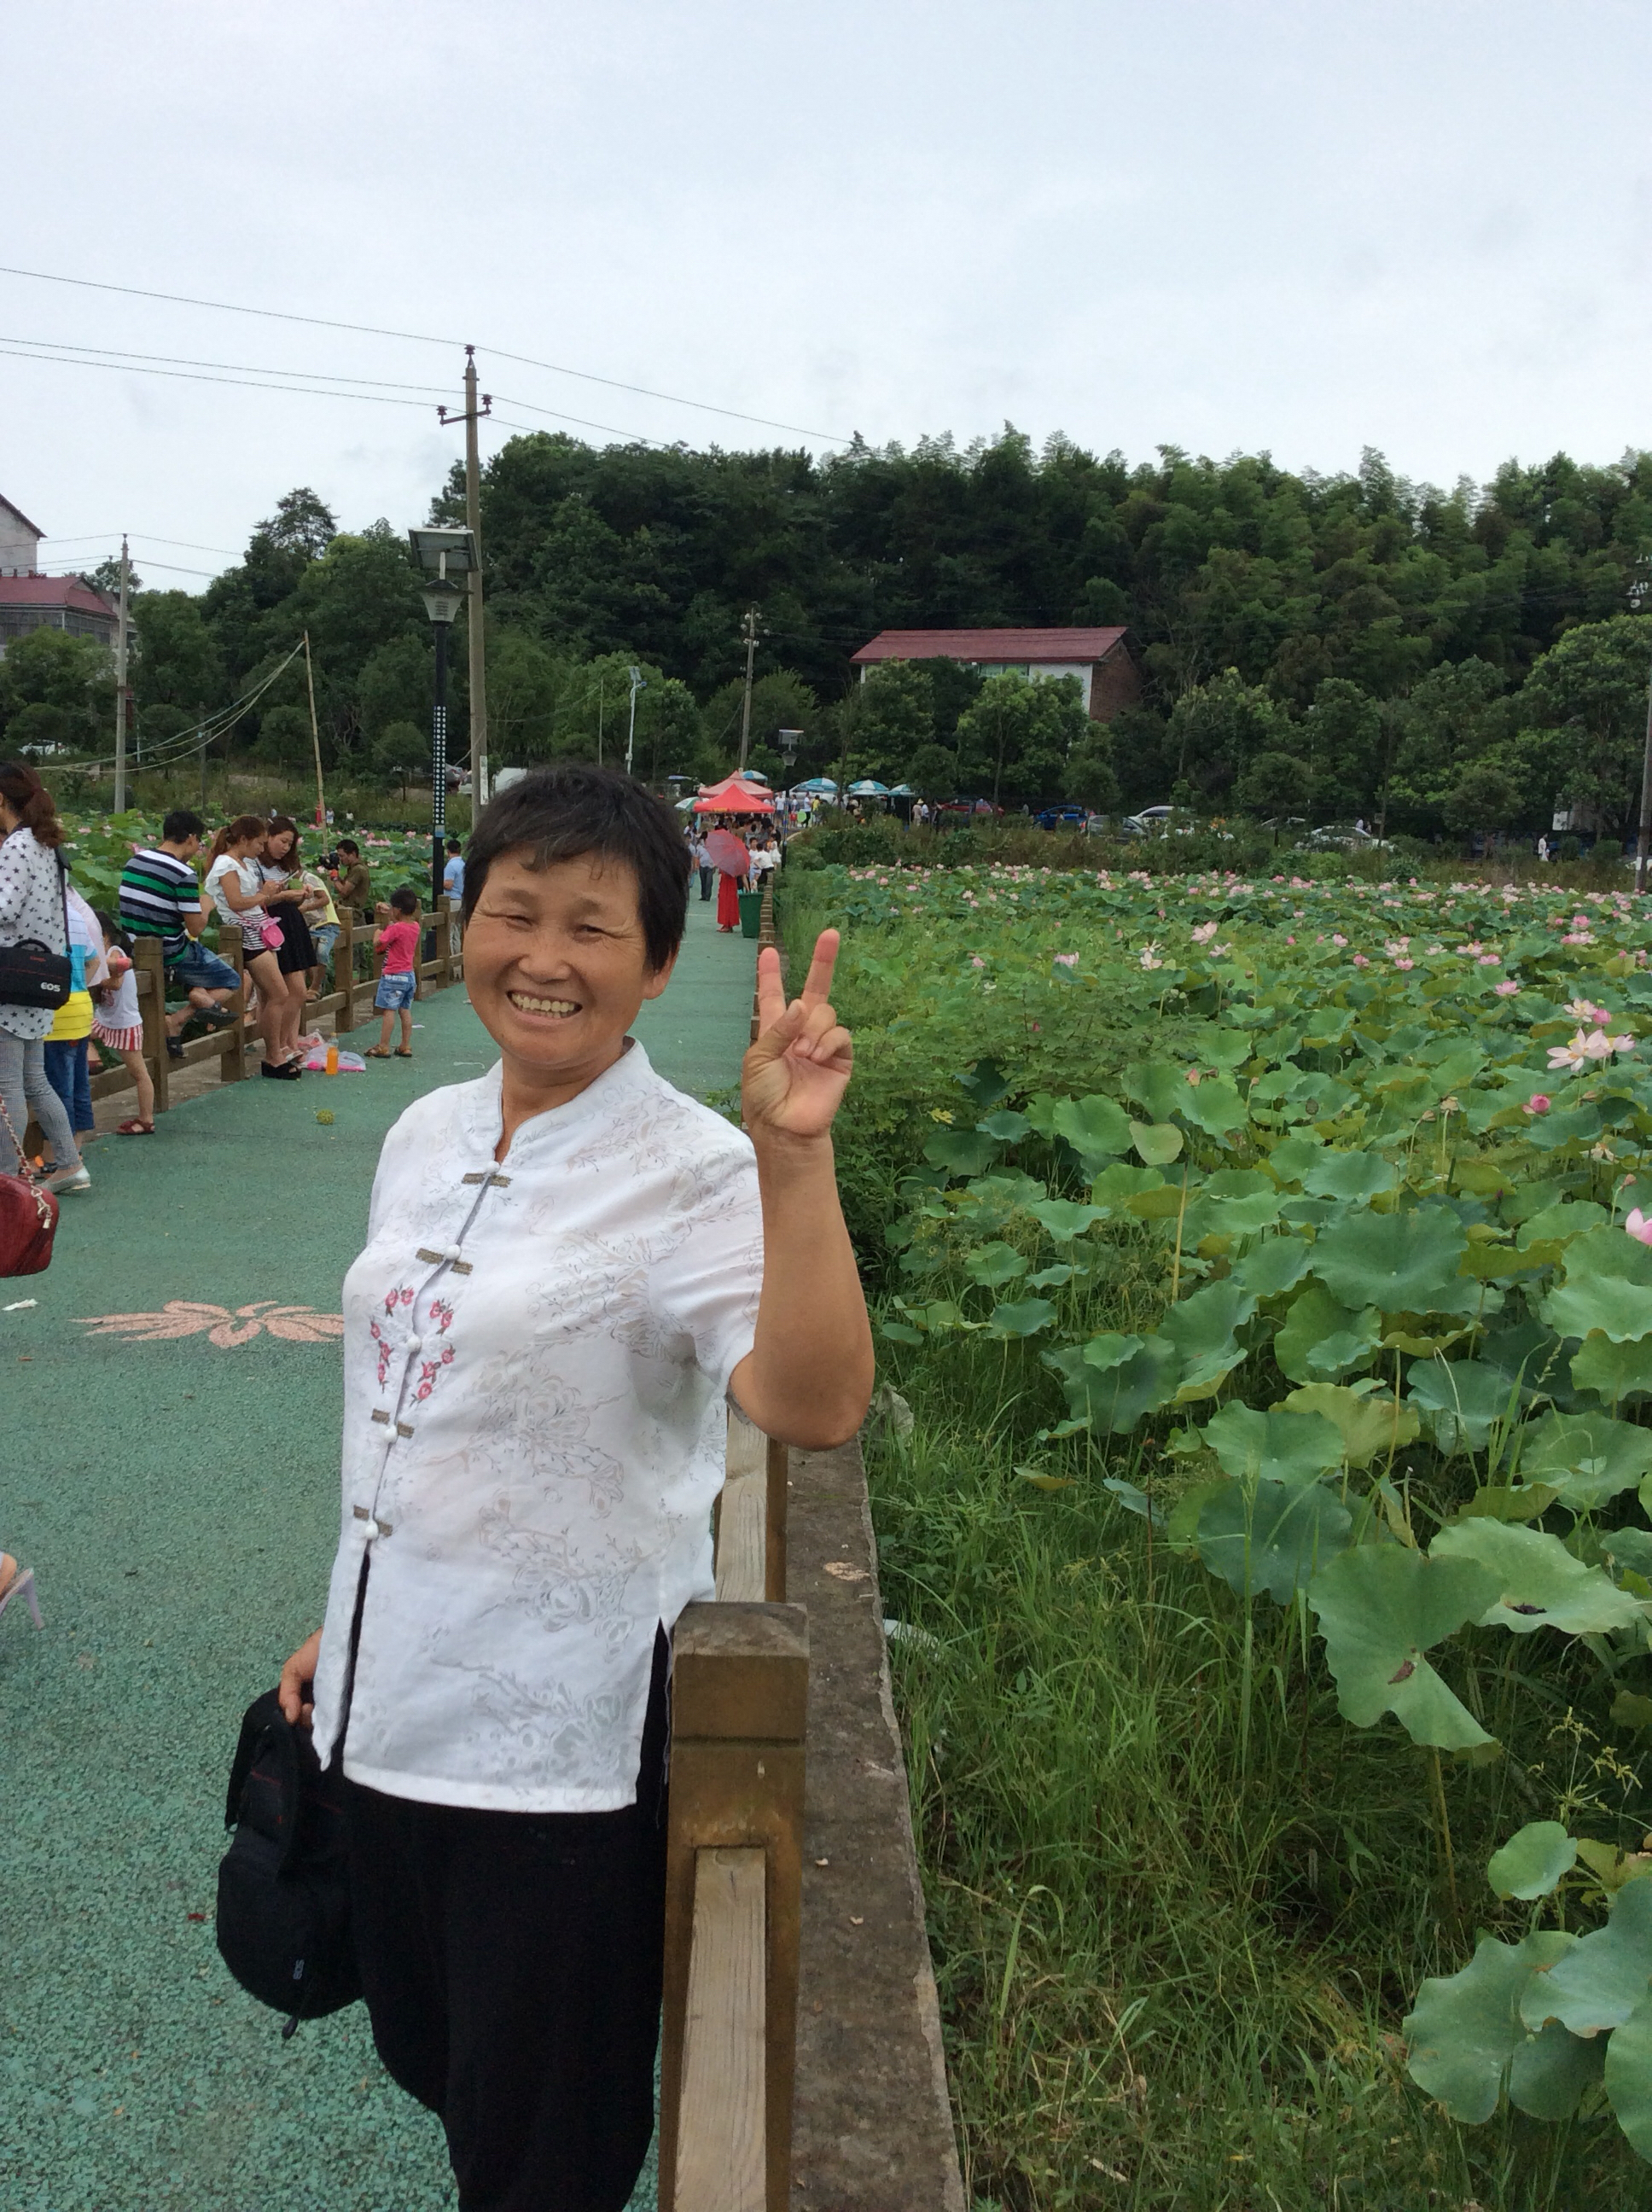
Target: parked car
x,y
963,810
1063,817
1343,836
1147,822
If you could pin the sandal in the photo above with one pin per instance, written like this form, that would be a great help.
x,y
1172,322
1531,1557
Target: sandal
x,y
402,1052
377,1052
133,1128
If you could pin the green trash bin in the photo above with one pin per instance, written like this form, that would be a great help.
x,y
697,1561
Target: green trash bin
x,y
751,911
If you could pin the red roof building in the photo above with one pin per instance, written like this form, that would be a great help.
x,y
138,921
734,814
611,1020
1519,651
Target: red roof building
x,y
29,603
1098,658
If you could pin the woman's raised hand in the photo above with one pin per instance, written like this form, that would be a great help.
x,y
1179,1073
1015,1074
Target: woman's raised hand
x,y
798,1069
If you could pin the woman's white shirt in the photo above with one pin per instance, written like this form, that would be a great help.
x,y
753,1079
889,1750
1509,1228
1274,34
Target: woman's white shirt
x,y
249,878
31,906
537,1356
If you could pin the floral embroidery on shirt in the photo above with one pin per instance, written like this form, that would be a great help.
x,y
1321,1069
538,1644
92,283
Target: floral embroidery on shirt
x,y
441,1312
400,1296
428,1370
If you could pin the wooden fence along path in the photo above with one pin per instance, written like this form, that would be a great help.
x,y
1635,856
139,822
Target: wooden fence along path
x,y
228,1046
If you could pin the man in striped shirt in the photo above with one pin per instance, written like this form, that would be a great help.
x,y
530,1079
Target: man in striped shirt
x,y
161,897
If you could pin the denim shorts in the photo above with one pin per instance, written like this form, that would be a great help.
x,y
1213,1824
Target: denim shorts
x,y
325,935
395,993
198,969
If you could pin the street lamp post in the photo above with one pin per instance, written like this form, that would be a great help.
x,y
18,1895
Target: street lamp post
x,y
446,556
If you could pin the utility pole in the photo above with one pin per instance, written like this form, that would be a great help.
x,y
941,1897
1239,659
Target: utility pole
x,y
478,673
749,628
123,690
637,685
315,735
601,674
1646,800
200,719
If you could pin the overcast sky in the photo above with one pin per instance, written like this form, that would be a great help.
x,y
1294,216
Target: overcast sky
x,y
1307,229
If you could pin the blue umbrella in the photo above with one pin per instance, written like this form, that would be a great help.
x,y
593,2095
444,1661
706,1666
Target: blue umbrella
x,y
815,783
868,789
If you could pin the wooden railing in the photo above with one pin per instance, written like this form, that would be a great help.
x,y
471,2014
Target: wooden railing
x,y
734,1866
228,1046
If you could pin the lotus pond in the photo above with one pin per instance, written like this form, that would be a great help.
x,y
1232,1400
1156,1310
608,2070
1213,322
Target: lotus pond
x,y
1264,1311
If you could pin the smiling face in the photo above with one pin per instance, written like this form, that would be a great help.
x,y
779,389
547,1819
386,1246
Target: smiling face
x,y
557,968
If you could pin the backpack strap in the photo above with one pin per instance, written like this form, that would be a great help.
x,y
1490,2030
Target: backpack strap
x,y
264,1789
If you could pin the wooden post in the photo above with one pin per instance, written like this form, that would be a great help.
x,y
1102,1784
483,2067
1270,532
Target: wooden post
x,y
231,1067
152,990
778,1472
740,1697
721,2158
343,964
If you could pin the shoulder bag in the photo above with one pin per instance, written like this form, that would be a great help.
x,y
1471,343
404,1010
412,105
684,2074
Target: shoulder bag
x,y
31,973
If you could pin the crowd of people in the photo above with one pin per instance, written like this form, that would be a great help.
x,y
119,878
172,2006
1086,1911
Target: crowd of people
x,y
733,859
253,880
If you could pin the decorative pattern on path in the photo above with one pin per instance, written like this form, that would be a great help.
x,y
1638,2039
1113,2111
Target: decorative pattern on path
x,y
181,1318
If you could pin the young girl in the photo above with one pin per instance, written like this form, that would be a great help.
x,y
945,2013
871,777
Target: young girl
x,y
398,979
117,1026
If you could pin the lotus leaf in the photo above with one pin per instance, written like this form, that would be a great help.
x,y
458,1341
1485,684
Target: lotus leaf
x,y
993,1264
1052,1279
1466,2028
1320,1340
1063,1219
1599,1305
1369,1422
985,1084
1112,1399
1294,1155
1215,1107
1291,1446
961,1152
1559,1223
1117,1186
1156,1085
1201,1328
1274,1266
1604,1976
1006,1126
1158,1143
1586,1458
1612,1371
1094,1127
1460,1400
1270,1535
1496,1501
1381,1607
1540,1584
1399,1262
1628,2076
1531,1863
1631,1548
1133,1499
1355,1176
1023,1317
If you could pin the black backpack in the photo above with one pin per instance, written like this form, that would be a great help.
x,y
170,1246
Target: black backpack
x,y
284,1922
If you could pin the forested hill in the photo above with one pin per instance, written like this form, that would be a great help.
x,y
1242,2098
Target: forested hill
x,y
1327,644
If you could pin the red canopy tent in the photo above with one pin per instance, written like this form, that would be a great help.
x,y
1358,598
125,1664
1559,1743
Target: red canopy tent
x,y
733,796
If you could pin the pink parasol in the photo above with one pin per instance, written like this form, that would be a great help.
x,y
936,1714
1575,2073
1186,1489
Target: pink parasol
x,y
726,853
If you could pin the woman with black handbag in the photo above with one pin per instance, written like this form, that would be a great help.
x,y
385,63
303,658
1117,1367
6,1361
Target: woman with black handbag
x,y
34,965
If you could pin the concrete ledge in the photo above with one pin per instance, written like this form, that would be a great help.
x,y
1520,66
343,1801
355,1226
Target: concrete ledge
x,y
871,2126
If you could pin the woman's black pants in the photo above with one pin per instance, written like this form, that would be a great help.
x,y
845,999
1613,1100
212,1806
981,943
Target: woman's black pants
x,y
512,1964
706,875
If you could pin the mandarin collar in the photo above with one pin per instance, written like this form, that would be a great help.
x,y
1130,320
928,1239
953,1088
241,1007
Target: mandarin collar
x,y
484,1112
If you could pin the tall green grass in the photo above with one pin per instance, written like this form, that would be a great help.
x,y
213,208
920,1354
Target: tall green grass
x,y
1178,1908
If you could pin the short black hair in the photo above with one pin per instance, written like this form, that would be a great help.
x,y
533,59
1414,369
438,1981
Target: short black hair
x,y
181,824
453,845
572,808
405,900
349,845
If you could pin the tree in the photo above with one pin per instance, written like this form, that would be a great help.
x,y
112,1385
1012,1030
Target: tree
x,y
1090,778
890,715
302,523
401,753
1591,687
933,772
1018,734
1453,715
1216,729
105,578
1485,797
1342,735
176,662
1274,783
74,676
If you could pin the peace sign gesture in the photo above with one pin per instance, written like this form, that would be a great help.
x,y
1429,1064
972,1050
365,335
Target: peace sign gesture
x,y
798,1069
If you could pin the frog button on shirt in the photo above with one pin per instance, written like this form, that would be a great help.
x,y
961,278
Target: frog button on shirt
x,y
537,1356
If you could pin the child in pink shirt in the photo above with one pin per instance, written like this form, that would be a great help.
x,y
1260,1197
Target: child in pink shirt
x,y
399,943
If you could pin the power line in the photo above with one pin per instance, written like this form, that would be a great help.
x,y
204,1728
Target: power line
x,y
421,337
239,367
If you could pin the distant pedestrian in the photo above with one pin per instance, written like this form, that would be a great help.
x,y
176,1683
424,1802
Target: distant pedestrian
x,y
161,897
69,1040
1542,850
234,881
354,884
399,940
31,907
453,886
702,861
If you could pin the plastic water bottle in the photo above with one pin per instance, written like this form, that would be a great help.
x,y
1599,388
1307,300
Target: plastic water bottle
x,y
332,1059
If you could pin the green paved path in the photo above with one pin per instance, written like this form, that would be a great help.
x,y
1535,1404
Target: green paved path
x,y
178,1498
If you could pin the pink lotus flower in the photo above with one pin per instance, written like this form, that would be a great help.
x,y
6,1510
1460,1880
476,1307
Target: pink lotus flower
x,y
1507,989
1337,939
1066,960
1539,1102
1360,961
1206,931
1639,1226
1405,961
1193,1076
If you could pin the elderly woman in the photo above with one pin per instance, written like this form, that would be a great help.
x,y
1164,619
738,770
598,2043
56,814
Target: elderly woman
x,y
569,1268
